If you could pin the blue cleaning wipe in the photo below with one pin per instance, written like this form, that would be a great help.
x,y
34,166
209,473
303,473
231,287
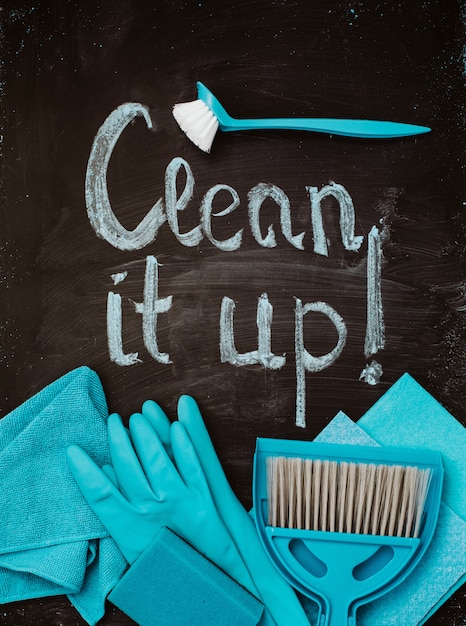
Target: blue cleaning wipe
x,y
171,584
443,568
407,414
51,542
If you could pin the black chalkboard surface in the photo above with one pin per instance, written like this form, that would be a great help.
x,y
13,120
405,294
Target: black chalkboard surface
x,y
385,282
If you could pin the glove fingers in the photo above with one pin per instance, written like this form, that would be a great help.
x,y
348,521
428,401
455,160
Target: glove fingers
x,y
159,422
190,416
279,598
100,492
110,473
159,470
187,460
195,460
130,476
114,511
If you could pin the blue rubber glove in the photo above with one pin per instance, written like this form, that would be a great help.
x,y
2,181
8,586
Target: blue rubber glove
x,y
277,595
145,490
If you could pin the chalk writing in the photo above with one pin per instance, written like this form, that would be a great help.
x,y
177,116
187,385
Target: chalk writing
x,y
234,242
256,196
306,361
372,373
119,277
179,184
375,328
99,210
346,218
151,306
173,204
107,226
263,355
115,332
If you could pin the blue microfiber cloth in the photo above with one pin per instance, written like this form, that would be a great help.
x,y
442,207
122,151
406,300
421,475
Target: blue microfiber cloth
x,y
407,414
442,569
171,584
51,542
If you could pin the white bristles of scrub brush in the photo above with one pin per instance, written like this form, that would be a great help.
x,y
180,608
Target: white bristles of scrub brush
x,y
198,122
361,498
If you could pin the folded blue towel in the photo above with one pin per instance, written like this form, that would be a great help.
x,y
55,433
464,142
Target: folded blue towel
x,y
442,569
407,414
51,542
427,424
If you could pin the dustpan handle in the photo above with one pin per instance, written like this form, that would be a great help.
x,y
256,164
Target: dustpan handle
x,y
341,568
338,616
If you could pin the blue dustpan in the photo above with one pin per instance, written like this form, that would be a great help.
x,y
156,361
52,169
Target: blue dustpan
x,y
342,570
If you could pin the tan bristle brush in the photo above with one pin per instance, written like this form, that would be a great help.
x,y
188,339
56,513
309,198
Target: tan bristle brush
x,y
346,497
344,524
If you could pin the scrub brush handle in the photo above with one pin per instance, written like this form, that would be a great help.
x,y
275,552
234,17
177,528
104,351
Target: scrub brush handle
x,y
335,126
350,127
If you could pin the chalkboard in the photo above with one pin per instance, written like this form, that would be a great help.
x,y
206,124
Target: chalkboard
x,y
272,320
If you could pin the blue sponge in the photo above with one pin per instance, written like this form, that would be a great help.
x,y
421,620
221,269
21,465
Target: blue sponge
x,y
171,584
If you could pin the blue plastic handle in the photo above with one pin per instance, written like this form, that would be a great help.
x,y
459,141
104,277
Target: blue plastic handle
x,y
369,129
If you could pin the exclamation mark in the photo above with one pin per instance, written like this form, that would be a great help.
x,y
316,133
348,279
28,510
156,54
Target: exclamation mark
x,y
375,328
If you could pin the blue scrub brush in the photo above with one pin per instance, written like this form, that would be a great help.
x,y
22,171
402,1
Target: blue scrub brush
x,y
344,524
201,118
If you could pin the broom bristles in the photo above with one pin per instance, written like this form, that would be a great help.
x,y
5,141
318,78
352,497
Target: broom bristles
x,y
363,498
198,122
